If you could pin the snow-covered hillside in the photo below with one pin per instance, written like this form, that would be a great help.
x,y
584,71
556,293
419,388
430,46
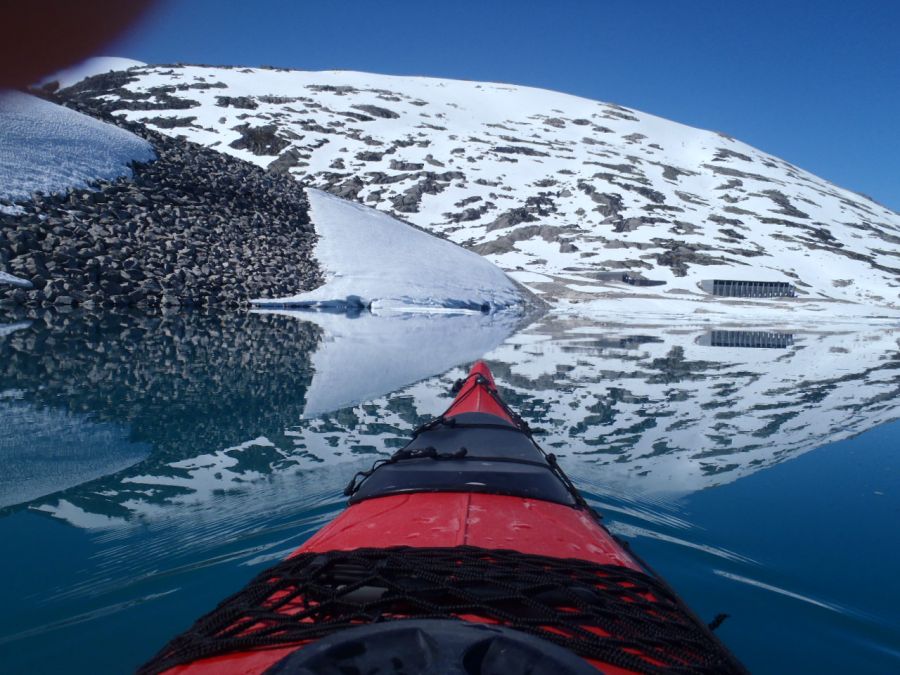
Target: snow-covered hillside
x,y
49,148
559,190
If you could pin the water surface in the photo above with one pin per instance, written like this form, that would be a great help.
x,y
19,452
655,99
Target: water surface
x,y
163,461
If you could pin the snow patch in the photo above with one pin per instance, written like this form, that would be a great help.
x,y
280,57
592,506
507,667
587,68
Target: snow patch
x,y
96,65
372,260
48,148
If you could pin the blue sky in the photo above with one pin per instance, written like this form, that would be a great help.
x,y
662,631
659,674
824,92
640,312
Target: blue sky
x,y
816,83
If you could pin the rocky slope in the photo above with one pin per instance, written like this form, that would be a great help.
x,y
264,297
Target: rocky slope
x,y
194,227
564,192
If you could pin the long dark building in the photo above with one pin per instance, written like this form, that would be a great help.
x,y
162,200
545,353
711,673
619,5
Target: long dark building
x,y
749,289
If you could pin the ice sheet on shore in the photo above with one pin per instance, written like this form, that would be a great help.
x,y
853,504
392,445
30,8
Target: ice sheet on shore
x,y
372,260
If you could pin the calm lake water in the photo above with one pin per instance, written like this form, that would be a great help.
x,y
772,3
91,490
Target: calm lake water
x,y
149,466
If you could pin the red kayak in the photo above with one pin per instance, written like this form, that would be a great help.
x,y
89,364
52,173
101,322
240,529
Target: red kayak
x,y
468,551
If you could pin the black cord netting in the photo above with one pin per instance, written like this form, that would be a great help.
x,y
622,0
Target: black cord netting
x,y
609,613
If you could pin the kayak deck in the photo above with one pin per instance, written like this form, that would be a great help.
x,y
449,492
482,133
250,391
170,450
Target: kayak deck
x,y
470,535
470,519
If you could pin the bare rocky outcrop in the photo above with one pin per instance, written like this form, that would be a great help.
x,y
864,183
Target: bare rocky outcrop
x,y
377,111
259,140
431,183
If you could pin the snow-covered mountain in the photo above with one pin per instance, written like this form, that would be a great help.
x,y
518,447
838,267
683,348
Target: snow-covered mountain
x,y
563,192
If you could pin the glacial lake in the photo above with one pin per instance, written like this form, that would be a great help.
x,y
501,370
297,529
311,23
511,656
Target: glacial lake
x,y
150,466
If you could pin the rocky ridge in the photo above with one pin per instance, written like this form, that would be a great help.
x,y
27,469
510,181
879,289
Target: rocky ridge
x,y
192,228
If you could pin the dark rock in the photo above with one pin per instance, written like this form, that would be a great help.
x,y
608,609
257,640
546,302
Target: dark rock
x,y
782,201
259,140
519,150
240,102
286,161
680,253
723,154
171,122
406,166
371,156
348,189
431,183
510,218
377,111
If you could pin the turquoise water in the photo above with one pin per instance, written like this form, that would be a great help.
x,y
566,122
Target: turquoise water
x,y
151,466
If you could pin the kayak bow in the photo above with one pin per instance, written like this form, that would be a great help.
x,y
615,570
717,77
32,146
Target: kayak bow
x,y
467,551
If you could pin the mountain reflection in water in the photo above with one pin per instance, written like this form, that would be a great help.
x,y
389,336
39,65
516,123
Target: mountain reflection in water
x,y
182,385
223,400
